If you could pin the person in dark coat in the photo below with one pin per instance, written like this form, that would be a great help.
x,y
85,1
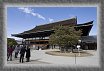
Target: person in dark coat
x,y
22,53
28,54
9,53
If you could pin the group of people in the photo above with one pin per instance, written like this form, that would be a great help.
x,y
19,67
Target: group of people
x,y
19,50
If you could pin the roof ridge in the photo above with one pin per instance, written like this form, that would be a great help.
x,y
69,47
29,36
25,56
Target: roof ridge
x,y
59,21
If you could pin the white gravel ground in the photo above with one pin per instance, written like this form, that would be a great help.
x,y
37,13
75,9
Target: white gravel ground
x,y
39,57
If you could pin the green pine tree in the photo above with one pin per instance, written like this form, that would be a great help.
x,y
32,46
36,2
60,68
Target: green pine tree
x,y
65,37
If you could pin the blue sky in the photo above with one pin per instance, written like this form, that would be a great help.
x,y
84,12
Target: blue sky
x,y
21,19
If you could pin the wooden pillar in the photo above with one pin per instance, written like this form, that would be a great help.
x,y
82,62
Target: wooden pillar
x,y
28,41
22,40
54,46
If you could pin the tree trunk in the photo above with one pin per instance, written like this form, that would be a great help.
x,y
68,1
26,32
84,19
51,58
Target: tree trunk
x,y
71,49
61,49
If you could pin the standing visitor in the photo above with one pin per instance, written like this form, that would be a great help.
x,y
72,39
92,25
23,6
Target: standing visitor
x,y
22,53
40,48
28,54
16,51
9,53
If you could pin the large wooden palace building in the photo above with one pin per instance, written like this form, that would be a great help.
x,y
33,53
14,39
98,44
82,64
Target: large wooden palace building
x,y
39,36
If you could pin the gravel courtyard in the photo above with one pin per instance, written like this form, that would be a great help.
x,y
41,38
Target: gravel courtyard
x,y
40,57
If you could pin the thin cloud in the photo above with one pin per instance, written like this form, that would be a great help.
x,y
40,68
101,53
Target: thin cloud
x,y
34,14
51,20
40,16
26,10
31,11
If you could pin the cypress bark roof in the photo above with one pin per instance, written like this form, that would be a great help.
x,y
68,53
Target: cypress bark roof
x,y
47,29
72,21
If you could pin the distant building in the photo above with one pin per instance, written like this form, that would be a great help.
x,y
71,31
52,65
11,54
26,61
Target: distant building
x,y
19,42
39,36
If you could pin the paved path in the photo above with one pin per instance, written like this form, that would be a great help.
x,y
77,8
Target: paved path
x,y
39,57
